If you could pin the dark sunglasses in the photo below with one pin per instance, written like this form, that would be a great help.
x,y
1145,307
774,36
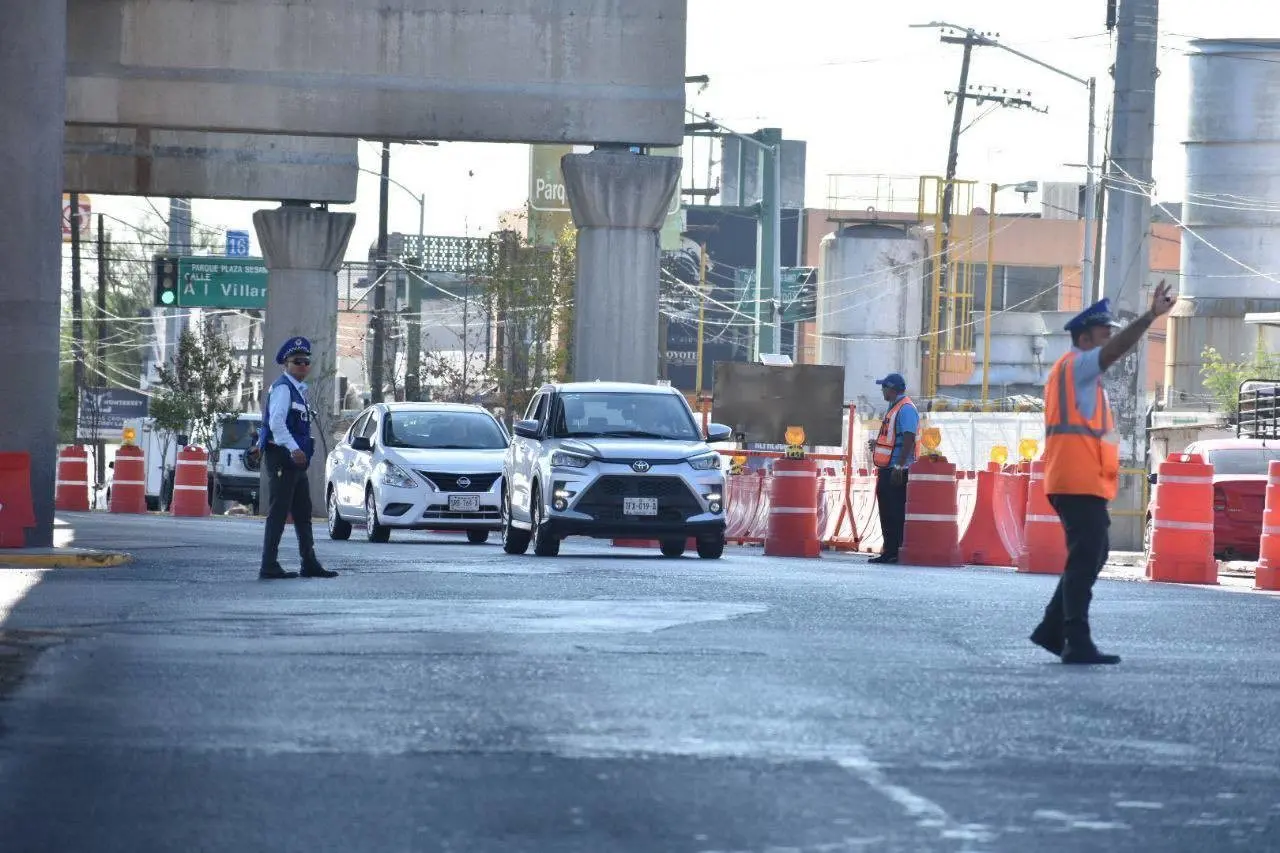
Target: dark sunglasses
x,y
305,362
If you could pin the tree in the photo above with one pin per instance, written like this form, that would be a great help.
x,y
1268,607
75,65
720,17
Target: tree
x,y
1222,378
199,389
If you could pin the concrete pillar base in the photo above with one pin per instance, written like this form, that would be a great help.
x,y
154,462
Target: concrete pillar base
x,y
619,202
303,248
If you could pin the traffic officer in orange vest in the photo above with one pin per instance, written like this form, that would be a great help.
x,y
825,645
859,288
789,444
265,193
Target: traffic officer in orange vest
x,y
1082,468
893,450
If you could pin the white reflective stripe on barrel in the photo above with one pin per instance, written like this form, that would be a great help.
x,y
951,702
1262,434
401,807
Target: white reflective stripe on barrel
x,y
201,462
72,482
128,483
932,478
916,516
1195,481
1271,531
1204,526
1035,476
793,510
813,474
1044,519
188,488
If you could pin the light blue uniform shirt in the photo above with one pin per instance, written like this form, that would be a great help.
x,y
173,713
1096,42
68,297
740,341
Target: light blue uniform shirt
x,y
281,401
1087,373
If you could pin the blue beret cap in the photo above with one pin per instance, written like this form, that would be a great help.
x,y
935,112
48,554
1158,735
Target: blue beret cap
x,y
1097,314
293,346
894,381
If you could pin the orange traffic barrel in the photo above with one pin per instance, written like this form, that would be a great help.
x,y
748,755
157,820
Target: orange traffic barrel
x,y
1182,522
17,512
71,493
191,483
1268,574
931,536
793,510
1044,542
129,484
981,544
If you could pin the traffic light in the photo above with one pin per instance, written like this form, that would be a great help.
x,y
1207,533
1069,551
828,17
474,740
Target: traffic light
x,y
166,279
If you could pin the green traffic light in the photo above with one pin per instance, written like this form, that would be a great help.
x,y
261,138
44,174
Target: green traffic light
x,y
168,297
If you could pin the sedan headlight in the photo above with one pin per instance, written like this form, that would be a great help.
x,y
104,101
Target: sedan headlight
x,y
564,459
709,462
395,476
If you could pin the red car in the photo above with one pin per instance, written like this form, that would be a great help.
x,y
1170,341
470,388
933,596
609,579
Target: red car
x,y
1239,492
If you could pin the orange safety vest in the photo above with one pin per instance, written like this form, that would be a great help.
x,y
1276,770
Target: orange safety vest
x,y
1081,456
888,436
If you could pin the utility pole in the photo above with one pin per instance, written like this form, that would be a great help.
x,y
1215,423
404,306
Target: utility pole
x,y
1128,224
948,195
100,339
413,337
702,315
77,309
376,323
769,242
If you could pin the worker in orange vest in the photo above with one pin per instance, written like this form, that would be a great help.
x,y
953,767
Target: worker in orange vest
x,y
1082,468
892,453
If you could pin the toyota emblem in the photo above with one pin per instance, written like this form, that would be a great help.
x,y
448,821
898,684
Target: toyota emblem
x,y
464,482
640,466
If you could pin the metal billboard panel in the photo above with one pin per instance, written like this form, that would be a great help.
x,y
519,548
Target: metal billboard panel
x,y
578,71
189,164
760,401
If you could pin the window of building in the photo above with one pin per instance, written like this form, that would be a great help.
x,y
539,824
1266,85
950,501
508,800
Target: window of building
x,y
1016,288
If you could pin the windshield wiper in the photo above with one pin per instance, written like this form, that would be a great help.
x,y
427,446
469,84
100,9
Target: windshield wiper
x,y
581,435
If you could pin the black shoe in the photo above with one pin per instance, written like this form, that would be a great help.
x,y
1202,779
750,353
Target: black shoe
x,y
1086,655
273,572
313,569
1048,639
884,558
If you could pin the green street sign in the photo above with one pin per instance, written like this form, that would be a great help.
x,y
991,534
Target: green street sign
x,y
220,282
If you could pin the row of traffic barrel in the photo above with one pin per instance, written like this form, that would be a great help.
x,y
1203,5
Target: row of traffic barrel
x,y
129,482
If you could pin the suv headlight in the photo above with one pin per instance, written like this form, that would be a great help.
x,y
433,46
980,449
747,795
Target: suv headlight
x,y
564,459
708,462
395,476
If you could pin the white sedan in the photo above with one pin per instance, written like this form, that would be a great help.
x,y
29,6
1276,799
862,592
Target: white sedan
x,y
417,466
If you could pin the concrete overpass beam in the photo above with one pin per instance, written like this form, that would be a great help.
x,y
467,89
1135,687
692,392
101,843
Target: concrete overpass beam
x,y
619,202
32,98
303,248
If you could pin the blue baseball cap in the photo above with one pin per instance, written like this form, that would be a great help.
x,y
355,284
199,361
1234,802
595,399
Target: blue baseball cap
x,y
894,381
293,346
1097,314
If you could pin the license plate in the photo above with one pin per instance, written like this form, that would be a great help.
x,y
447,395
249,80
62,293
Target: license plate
x,y
464,503
639,506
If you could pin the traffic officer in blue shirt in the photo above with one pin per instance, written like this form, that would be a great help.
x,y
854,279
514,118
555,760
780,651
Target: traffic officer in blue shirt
x,y
287,447
892,453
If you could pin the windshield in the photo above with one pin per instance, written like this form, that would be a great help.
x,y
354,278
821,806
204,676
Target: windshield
x,y
1243,460
443,431
624,415
238,435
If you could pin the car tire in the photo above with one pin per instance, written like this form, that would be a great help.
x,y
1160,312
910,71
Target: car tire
x,y
544,543
711,549
673,547
374,531
477,537
339,528
514,540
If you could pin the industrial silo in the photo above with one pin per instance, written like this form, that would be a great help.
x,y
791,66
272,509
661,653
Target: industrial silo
x,y
870,305
1232,207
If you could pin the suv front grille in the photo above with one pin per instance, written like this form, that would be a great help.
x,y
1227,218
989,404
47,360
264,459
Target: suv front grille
x,y
603,500
449,482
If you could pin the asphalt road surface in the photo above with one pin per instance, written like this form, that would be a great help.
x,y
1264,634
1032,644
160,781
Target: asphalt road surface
x,y
445,697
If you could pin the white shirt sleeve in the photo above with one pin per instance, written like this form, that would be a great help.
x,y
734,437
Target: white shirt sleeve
x,y
281,400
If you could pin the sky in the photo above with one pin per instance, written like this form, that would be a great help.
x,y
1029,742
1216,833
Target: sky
x,y
858,83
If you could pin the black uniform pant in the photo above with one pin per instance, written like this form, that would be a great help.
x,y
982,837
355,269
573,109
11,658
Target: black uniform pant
x,y
290,492
891,498
1086,521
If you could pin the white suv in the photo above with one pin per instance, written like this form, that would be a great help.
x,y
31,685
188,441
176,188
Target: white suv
x,y
417,466
612,460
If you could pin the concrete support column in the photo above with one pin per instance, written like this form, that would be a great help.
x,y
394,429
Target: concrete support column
x,y
619,202
33,58
303,248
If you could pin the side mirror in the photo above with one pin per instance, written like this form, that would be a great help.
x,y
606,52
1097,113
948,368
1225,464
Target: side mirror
x,y
1151,478
528,429
719,432
361,443
112,464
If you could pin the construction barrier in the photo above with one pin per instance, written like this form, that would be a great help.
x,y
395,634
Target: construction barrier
x,y
1182,522
1268,574
982,544
191,483
1010,500
128,486
17,512
793,510
1044,544
932,533
71,491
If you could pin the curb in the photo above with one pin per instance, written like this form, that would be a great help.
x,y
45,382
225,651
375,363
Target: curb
x,y
63,558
